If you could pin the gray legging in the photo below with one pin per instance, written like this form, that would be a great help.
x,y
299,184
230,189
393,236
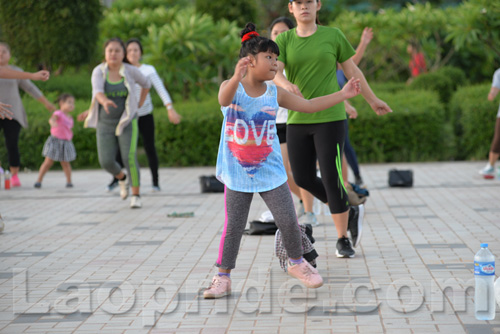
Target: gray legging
x,y
108,144
237,206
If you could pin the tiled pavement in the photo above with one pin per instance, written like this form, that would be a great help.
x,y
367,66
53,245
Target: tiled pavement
x,y
80,261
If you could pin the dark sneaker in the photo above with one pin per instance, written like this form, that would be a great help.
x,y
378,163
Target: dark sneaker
x,y
344,248
355,223
37,185
112,185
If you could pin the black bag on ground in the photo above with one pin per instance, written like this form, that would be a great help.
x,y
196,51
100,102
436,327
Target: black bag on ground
x,y
400,178
259,228
210,184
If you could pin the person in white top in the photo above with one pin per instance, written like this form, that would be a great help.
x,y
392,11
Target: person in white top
x,y
489,170
146,120
305,210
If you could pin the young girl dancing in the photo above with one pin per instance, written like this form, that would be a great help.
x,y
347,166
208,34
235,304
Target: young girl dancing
x,y
59,146
249,158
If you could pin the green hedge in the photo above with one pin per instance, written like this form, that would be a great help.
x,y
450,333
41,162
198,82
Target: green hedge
x,y
473,117
193,142
415,131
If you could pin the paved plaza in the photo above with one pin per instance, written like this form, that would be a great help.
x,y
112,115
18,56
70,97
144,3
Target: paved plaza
x,y
81,261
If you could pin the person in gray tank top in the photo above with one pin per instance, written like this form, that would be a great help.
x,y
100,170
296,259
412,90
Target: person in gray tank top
x,y
113,112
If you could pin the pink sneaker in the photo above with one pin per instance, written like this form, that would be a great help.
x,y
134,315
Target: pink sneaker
x,y
221,286
14,181
305,273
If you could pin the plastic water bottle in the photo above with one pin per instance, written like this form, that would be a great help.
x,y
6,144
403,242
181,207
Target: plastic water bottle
x,y
484,273
7,180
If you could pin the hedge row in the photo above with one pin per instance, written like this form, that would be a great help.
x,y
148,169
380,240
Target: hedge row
x,y
193,142
415,131
421,128
473,117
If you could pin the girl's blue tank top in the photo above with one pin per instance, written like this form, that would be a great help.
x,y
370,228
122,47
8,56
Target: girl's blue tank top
x,y
249,158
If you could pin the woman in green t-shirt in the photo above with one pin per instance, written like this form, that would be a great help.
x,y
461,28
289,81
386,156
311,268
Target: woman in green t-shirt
x,y
310,54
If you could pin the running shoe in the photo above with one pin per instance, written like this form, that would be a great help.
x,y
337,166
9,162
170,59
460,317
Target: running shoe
x,y
307,274
135,202
344,248
220,287
487,170
114,183
309,218
14,181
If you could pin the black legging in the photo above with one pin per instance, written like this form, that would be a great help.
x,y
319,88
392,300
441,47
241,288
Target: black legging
x,y
323,142
147,131
11,130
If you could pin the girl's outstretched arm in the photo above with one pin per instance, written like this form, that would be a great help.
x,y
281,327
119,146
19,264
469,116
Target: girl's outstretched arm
x,y
353,71
228,88
291,101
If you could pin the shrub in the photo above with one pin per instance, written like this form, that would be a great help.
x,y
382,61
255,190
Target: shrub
x,y
435,81
473,118
77,84
388,86
456,75
129,5
193,142
239,11
415,131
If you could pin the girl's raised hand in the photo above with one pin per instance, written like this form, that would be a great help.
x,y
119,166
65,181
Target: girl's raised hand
x,y
241,68
351,88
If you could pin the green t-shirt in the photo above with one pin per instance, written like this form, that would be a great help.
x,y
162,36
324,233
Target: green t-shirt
x,y
311,64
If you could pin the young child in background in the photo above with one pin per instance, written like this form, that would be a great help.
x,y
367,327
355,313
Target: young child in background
x,y
249,158
59,146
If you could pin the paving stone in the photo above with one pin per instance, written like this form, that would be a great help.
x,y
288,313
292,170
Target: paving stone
x,y
77,245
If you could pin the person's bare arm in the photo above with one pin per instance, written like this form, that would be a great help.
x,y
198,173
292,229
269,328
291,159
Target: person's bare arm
x,y
493,93
366,38
352,71
289,100
8,73
229,87
46,103
105,102
281,81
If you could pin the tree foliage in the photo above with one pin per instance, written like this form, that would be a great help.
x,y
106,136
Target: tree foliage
x,y
50,32
457,36
239,11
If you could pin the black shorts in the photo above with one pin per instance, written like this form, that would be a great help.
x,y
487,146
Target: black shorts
x,y
281,131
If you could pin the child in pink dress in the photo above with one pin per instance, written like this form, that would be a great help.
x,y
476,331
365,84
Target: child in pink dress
x,y
59,146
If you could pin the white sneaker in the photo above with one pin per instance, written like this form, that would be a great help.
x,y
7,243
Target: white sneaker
x,y
309,218
487,170
123,189
135,202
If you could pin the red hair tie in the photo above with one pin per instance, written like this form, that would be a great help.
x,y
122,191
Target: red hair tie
x,y
249,35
